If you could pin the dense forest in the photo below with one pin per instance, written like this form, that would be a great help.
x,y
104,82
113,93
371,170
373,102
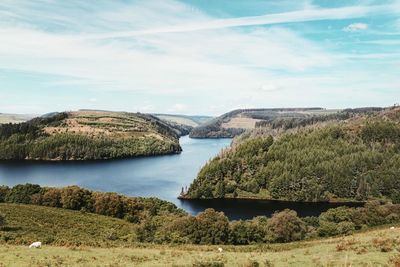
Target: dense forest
x,y
87,135
356,159
158,221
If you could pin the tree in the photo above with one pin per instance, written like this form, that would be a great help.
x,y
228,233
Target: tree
x,y
76,198
285,226
22,193
212,227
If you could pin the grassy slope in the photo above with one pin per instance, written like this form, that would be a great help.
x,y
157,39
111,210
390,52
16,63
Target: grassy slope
x,y
376,247
29,223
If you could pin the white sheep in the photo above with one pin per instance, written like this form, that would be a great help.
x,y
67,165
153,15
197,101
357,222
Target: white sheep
x,y
36,245
220,250
392,228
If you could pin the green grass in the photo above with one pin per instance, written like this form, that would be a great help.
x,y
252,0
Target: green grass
x,y
372,248
72,238
29,223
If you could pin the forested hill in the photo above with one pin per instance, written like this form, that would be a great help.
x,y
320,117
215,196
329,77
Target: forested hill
x,y
88,134
237,121
354,159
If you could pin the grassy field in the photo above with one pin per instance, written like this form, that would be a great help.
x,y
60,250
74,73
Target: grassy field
x,y
373,248
73,238
29,223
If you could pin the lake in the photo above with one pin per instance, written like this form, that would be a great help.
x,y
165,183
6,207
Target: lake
x,y
160,176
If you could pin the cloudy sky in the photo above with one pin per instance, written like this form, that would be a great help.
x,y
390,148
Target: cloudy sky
x,y
197,56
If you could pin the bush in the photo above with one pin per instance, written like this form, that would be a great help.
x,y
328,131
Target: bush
x,y
246,232
285,226
22,193
109,204
327,228
212,227
3,193
76,198
345,228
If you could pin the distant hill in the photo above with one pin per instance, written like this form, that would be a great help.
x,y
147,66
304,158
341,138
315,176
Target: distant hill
x,y
192,121
352,156
237,121
15,118
89,134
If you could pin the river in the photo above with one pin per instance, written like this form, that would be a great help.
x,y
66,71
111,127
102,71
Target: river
x,y
160,176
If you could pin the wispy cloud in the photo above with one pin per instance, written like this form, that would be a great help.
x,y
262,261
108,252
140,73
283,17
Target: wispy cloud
x,y
356,27
313,14
166,49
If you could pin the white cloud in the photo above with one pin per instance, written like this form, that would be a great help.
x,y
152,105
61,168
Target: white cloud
x,y
93,100
356,27
309,14
170,49
225,59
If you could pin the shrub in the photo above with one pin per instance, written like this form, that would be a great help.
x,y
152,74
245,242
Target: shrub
x,y
22,193
212,227
3,193
76,198
345,228
52,198
285,226
327,228
336,215
109,204
245,232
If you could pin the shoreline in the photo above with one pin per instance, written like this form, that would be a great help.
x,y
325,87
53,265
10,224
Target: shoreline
x,y
273,200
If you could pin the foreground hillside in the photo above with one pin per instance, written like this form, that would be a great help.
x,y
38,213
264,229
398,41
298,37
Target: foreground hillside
x,y
106,229
378,247
87,134
236,122
355,159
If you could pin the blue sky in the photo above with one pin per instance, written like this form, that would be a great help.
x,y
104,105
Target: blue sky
x,y
197,56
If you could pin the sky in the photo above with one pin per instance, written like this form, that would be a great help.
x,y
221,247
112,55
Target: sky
x,y
197,56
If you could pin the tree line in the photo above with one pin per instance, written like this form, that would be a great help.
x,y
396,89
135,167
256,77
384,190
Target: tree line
x,y
159,221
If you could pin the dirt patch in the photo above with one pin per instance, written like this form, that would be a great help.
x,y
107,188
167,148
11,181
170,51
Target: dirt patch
x,y
240,122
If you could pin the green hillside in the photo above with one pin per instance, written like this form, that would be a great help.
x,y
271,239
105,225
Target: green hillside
x,y
73,238
238,121
89,134
356,159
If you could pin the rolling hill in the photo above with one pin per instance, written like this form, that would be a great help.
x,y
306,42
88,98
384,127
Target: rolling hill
x,y
192,121
74,238
90,134
237,121
338,160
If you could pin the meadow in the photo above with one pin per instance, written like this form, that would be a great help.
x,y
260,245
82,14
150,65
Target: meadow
x,y
75,238
373,248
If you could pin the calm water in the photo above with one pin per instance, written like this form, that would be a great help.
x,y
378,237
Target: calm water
x,y
161,176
